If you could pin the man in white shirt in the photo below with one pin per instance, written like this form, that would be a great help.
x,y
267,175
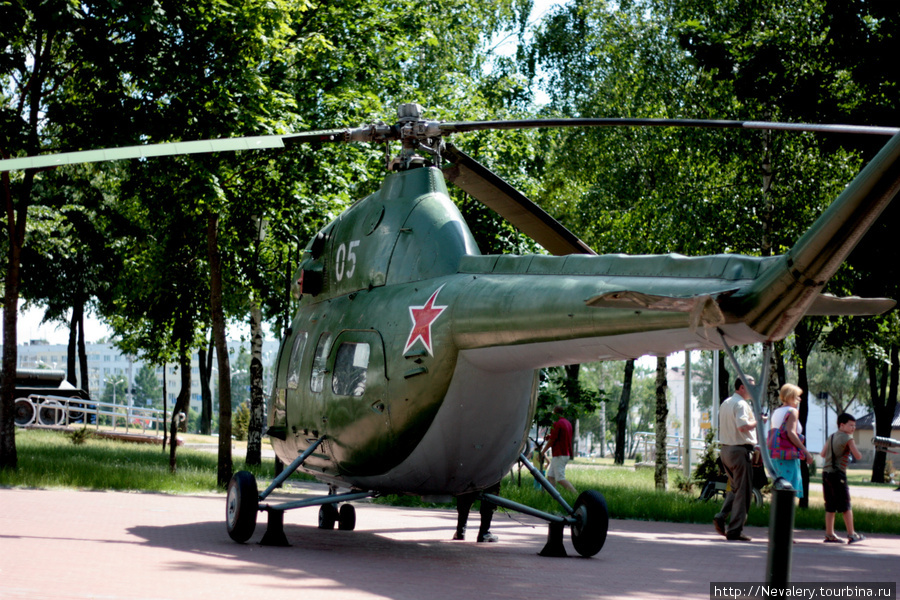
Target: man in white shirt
x,y
737,435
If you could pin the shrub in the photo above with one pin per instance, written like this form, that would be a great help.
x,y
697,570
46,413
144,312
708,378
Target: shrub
x,y
240,423
80,436
707,468
683,484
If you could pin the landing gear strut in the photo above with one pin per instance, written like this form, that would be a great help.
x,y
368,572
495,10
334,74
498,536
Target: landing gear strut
x,y
589,520
244,503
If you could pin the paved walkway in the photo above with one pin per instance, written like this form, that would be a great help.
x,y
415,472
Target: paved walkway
x,y
876,493
112,545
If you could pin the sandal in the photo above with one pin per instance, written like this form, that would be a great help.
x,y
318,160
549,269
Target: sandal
x,y
833,539
855,537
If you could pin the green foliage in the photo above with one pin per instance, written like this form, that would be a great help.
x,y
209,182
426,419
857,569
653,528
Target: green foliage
x,y
707,468
123,74
241,421
240,377
80,436
147,388
842,376
193,421
557,388
683,484
115,389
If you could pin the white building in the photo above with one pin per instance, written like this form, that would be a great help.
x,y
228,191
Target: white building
x,y
699,420
106,363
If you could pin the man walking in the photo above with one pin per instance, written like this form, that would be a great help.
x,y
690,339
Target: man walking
x,y
737,434
560,444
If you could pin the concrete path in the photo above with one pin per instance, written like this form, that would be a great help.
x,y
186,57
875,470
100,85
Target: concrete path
x,y
875,493
112,545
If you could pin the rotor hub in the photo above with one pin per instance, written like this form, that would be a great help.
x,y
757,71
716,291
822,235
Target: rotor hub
x,y
416,135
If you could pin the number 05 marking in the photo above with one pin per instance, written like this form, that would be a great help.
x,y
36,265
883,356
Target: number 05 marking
x,y
345,259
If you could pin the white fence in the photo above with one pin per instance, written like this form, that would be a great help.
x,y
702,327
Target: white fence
x,y
645,445
59,411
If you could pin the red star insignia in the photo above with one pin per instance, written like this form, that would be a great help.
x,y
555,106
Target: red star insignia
x,y
422,318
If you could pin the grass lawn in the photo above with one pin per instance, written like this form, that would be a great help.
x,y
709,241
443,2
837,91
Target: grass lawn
x,y
49,459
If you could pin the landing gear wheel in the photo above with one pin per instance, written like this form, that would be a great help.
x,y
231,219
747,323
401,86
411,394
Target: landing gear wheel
x,y
242,506
328,516
589,534
23,412
347,517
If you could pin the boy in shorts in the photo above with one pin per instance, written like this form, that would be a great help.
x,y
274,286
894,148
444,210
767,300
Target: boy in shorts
x,y
837,451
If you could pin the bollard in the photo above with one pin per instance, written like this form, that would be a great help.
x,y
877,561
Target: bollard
x,y
781,537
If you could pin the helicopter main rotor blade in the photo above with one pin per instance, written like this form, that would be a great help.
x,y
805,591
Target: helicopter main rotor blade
x,y
488,188
261,142
411,127
464,126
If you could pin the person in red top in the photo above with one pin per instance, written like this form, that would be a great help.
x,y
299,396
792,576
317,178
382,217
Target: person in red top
x,y
559,442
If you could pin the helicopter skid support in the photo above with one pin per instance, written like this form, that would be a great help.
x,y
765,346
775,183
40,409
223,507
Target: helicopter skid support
x,y
319,501
550,488
557,524
289,470
528,510
781,521
244,503
589,520
275,536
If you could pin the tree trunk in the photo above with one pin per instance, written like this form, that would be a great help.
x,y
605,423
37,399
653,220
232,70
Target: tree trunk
x,y
622,414
16,215
254,432
803,384
182,403
225,467
773,400
806,334
573,397
84,373
204,358
724,382
661,477
165,403
883,383
72,347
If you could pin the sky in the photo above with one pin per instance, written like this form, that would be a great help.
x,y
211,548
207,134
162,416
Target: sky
x,y
30,328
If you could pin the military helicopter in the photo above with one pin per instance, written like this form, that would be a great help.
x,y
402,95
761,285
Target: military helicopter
x,y
412,363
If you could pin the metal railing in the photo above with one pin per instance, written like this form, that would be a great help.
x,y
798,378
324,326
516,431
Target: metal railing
x,y
59,411
645,445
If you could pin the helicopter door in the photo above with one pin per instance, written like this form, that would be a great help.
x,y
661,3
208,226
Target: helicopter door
x,y
287,379
357,413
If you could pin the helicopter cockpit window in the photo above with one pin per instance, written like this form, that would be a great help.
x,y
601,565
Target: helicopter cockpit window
x,y
293,378
317,381
350,366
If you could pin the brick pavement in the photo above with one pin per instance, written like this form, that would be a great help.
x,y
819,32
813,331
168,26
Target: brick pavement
x,y
111,545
